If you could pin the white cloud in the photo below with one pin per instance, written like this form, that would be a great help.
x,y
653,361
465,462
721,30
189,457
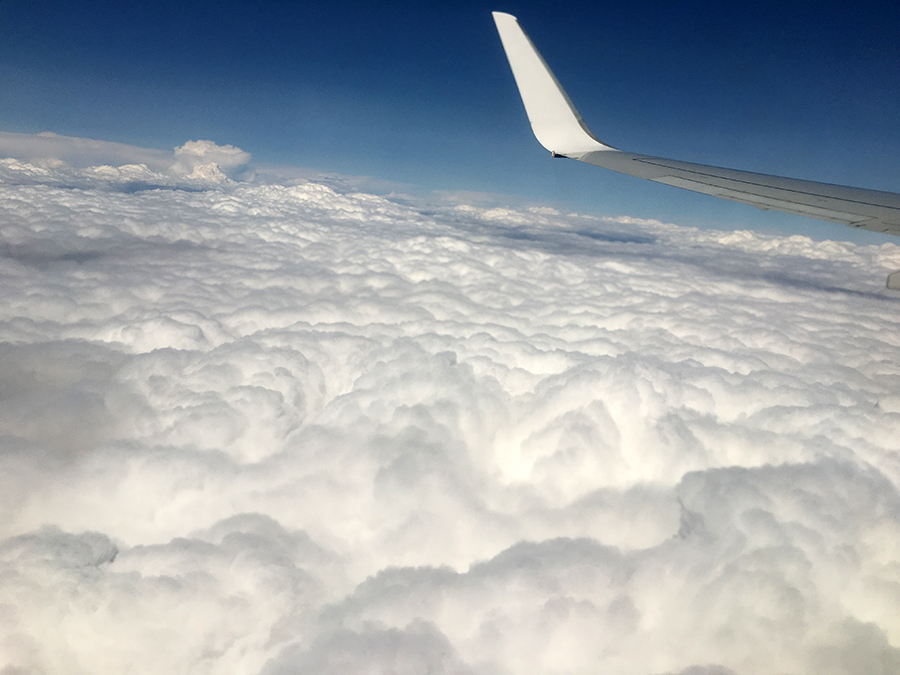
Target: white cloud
x,y
48,158
196,154
298,429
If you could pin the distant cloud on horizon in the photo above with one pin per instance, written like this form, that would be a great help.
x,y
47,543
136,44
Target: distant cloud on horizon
x,y
197,159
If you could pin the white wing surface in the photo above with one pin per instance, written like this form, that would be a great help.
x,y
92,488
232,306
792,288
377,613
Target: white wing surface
x,y
559,128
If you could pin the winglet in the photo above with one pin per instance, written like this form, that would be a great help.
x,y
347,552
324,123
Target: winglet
x,y
554,120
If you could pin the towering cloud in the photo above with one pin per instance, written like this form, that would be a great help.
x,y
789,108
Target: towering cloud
x,y
255,428
202,156
49,158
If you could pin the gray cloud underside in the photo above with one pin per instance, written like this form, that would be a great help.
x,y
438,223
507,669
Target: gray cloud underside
x,y
273,429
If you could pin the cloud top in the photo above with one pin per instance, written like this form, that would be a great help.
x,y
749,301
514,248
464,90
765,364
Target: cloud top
x,y
201,158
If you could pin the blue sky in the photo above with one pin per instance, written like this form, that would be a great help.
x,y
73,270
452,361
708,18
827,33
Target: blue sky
x,y
421,93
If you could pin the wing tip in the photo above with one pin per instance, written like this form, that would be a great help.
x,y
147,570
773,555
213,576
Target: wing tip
x,y
556,123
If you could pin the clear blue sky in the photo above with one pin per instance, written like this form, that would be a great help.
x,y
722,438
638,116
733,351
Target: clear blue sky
x,y
421,93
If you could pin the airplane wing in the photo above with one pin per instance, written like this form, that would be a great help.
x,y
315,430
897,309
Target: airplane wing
x,y
559,128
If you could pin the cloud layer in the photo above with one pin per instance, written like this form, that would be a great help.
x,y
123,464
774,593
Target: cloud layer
x,y
256,428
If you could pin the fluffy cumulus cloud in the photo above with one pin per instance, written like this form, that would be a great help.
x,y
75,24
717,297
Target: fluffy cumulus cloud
x,y
205,157
66,161
258,428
